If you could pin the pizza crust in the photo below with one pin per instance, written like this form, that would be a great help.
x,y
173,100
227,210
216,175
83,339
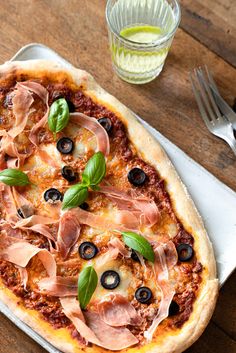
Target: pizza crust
x,y
151,151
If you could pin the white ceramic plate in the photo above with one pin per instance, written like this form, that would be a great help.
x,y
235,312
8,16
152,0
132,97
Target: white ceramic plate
x,y
215,201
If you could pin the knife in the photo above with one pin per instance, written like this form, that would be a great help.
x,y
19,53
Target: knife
x,y
226,110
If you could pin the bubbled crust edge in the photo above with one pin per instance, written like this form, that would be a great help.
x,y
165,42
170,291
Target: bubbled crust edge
x,y
151,151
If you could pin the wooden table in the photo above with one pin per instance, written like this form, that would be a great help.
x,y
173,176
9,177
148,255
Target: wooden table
x,y
77,30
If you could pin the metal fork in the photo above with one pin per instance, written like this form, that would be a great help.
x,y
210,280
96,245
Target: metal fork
x,y
215,122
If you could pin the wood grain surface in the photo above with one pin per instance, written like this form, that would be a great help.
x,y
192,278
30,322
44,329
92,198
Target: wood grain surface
x,y
76,29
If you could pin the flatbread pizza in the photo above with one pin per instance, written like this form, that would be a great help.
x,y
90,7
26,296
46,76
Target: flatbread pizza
x,y
101,246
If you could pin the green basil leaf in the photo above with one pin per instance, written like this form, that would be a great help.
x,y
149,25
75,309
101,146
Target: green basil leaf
x,y
95,169
87,283
74,196
14,177
140,244
59,115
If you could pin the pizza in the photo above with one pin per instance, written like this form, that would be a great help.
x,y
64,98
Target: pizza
x,y
101,247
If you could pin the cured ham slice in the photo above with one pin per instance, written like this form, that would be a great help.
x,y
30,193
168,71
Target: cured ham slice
x,y
162,278
120,246
21,202
118,311
21,103
59,286
23,275
141,207
42,93
20,253
68,233
93,125
8,201
95,330
101,222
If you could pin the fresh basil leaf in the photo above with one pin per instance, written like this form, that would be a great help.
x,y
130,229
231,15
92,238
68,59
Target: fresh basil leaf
x,y
14,177
140,244
95,169
59,115
87,283
74,196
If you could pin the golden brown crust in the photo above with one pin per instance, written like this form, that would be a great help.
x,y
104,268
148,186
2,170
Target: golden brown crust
x,y
151,151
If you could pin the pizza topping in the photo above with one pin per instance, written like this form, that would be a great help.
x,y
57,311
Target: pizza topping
x,y
84,206
68,174
21,103
59,115
92,124
14,177
185,252
87,283
143,295
162,279
20,252
173,308
46,158
25,207
95,330
106,124
116,310
68,233
134,256
142,207
139,244
52,195
59,286
87,250
110,279
42,93
65,145
118,244
137,177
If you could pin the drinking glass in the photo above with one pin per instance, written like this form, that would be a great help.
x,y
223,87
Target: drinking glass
x,y
140,35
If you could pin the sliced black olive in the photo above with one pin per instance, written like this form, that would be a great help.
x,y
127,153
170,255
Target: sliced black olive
x,y
68,173
106,124
185,252
84,206
134,256
65,145
87,250
71,106
173,308
143,295
20,213
52,195
137,176
110,279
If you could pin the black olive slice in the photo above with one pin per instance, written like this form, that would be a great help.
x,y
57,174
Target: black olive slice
x,y
25,211
84,206
134,256
173,308
137,176
106,124
52,195
110,279
20,213
68,173
143,295
87,250
65,145
71,106
185,252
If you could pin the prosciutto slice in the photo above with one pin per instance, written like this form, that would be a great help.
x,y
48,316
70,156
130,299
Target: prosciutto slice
x,y
68,233
21,202
101,222
95,330
93,125
21,103
59,286
120,246
162,260
8,201
141,207
42,93
19,252
118,311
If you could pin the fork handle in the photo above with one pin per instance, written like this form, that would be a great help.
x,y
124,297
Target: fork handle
x,y
232,144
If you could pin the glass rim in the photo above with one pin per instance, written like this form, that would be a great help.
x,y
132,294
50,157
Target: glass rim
x,y
145,45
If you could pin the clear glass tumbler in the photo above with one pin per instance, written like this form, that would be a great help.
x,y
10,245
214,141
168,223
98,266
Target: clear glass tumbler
x,y
140,36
